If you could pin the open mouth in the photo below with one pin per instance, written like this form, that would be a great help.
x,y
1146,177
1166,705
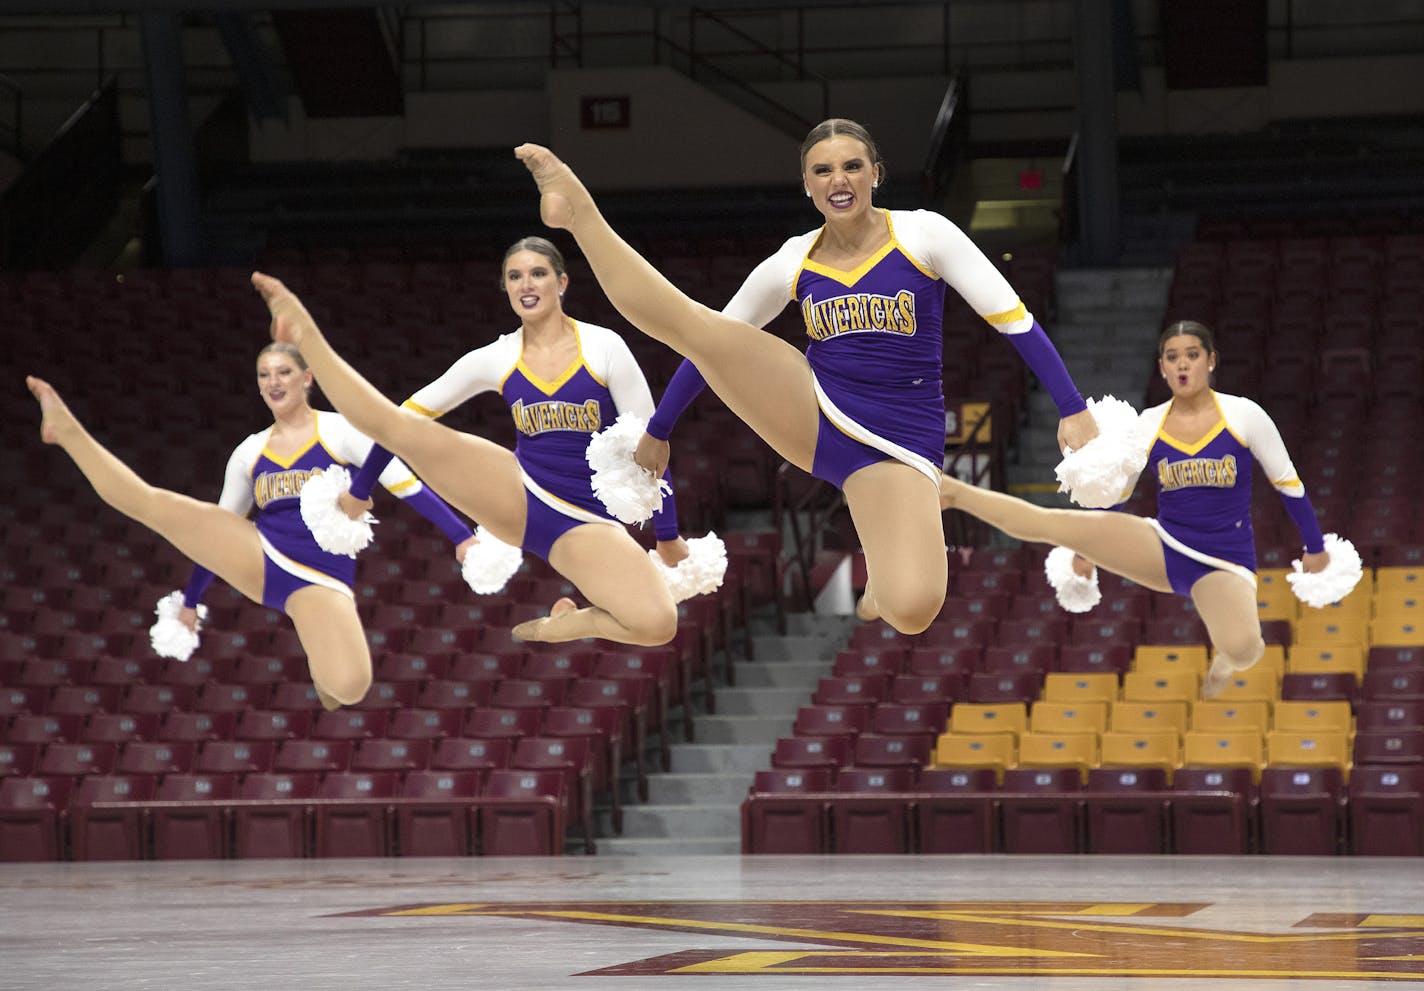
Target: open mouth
x,y
841,200
528,301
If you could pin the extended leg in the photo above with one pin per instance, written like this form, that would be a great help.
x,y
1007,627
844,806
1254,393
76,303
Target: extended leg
x,y
479,478
1119,542
897,516
630,603
330,631
220,541
1227,605
762,379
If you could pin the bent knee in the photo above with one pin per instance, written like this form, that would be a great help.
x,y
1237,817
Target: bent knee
x,y
652,625
347,687
910,613
1243,652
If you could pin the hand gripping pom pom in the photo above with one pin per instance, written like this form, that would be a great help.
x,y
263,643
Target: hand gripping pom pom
x,y
1096,475
701,571
335,532
1338,579
170,638
490,563
629,493
1075,593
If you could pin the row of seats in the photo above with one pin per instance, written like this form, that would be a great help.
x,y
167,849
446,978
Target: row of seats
x,y
498,811
1204,810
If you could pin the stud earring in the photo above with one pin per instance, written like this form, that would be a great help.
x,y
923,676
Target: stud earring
x,y
875,184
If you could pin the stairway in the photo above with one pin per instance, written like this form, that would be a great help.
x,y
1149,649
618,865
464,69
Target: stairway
x,y
696,807
1108,321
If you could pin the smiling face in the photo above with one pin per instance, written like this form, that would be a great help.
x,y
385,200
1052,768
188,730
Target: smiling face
x,y
533,285
1186,362
839,173
282,381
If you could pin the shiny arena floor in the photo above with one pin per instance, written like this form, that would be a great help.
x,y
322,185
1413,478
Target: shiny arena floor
x,y
712,923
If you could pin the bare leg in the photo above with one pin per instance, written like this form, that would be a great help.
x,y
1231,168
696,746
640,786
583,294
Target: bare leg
x,y
331,634
897,516
764,380
220,541
477,477
1227,605
1119,542
630,601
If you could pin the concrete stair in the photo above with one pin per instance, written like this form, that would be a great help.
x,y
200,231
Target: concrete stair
x,y
695,807
1107,327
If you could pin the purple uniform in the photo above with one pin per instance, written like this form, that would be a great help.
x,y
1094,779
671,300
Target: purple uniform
x,y
256,476
554,420
876,340
1204,491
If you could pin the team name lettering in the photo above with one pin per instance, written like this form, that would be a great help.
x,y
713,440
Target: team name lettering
x,y
859,313
1216,473
538,418
279,485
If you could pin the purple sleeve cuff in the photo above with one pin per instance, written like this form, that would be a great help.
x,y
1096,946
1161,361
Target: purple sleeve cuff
x,y
665,519
197,586
686,384
1303,514
1040,355
365,481
434,509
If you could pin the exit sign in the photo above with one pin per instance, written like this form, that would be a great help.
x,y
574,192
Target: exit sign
x,y
604,112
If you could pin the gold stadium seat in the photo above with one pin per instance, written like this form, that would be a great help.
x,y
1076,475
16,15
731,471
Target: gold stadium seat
x,y
1398,582
1130,716
1332,716
1254,684
1158,748
1214,715
995,750
1078,750
1168,658
1316,658
1224,748
1395,631
1312,748
1274,599
1332,629
982,718
1063,686
1149,686
1068,717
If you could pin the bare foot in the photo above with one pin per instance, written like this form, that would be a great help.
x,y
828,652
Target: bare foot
x,y
559,188
532,629
55,416
290,319
1218,678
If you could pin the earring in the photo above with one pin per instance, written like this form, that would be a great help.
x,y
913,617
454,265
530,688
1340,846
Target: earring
x,y
808,193
875,184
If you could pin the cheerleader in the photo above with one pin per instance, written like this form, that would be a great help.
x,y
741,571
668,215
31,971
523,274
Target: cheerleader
x,y
1200,446
863,408
563,380
273,558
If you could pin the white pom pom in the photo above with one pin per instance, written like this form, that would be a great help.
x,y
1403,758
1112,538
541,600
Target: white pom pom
x,y
1075,593
701,571
630,493
170,638
335,532
1097,475
490,563
1338,579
